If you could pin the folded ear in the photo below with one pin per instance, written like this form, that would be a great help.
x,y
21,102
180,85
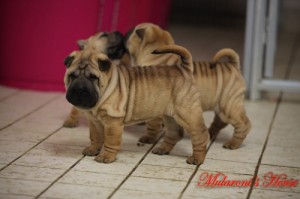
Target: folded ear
x,y
115,48
128,34
104,65
81,44
140,33
68,61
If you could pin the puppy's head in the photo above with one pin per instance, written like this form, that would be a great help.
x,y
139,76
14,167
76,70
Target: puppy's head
x,y
110,43
146,36
86,77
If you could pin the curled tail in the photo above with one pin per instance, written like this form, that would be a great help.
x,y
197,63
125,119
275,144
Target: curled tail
x,y
232,56
185,55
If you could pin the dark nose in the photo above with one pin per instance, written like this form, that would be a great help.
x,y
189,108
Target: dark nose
x,y
82,95
81,90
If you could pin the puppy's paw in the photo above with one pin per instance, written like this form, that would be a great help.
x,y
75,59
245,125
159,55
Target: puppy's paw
x,y
70,123
91,151
232,144
146,139
160,151
195,160
105,158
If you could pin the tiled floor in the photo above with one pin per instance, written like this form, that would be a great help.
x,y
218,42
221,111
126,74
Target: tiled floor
x,y
41,159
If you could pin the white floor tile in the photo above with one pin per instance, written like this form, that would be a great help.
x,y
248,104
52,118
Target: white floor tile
x,y
160,172
63,191
15,146
92,179
2,165
221,193
282,156
285,131
46,161
54,112
116,168
154,185
78,136
167,160
6,157
28,131
31,173
266,194
21,104
248,153
129,157
228,166
22,187
11,196
134,194
49,149
10,150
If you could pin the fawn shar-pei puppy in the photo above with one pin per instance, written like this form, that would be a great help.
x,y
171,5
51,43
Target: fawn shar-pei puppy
x,y
110,43
221,84
112,96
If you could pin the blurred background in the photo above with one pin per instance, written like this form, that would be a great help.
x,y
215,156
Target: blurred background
x,y
36,35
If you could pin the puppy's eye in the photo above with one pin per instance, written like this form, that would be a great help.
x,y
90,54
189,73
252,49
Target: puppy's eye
x,y
93,77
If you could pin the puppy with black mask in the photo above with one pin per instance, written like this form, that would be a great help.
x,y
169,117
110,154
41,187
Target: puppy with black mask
x,y
109,43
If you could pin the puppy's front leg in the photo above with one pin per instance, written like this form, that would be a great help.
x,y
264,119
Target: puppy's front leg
x,y
113,128
96,137
72,119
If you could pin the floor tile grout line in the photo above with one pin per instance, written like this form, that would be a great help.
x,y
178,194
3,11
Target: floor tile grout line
x,y
195,171
265,146
136,166
31,148
31,112
57,179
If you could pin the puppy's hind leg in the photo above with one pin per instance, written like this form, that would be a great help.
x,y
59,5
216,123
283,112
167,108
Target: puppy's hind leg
x,y
154,127
242,126
194,124
174,133
216,126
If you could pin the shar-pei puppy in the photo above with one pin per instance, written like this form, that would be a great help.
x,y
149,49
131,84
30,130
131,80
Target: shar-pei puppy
x,y
112,96
110,43
221,84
